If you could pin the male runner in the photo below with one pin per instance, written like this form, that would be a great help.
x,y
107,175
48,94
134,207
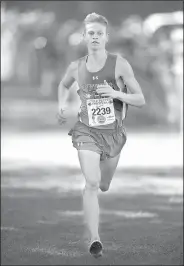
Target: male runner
x,y
99,134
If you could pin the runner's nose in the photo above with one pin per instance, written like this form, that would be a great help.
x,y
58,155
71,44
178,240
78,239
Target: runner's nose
x,y
95,36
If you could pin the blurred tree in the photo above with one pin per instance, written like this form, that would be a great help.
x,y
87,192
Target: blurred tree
x,y
44,43
115,11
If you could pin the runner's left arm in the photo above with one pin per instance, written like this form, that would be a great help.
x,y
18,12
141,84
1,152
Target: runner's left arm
x,y
135,97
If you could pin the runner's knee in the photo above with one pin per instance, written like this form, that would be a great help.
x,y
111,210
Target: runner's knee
x,y
92,184
104,187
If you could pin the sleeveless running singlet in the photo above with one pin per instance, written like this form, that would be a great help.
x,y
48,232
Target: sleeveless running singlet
x,y
96,111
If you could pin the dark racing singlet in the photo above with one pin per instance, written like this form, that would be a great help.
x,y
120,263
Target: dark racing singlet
x,y
88,82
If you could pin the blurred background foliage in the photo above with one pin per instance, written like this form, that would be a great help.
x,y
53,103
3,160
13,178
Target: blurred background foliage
x,y
40,38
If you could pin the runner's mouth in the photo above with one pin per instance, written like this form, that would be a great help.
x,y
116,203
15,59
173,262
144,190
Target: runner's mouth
x,y
95,42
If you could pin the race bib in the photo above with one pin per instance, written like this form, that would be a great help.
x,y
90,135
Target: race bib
x,y
100,111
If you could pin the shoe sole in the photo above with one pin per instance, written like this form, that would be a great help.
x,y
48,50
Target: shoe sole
x,y
96,249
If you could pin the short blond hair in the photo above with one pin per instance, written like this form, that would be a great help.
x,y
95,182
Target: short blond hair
x,y
94,17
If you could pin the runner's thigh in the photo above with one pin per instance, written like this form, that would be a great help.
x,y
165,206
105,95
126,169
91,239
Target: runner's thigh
x,y
90,166
108,168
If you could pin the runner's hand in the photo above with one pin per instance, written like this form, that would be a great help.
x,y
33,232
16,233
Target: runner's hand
x,y
61,118
106,90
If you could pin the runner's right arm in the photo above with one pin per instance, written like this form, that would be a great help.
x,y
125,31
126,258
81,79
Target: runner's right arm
x,y
65,84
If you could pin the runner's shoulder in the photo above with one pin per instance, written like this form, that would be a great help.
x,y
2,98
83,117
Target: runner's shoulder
x,y
74,64
122,60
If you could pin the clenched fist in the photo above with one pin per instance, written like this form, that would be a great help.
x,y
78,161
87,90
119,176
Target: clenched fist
x,y
106,90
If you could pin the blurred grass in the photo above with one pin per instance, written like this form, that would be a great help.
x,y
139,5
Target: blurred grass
x,y
45,227
141,215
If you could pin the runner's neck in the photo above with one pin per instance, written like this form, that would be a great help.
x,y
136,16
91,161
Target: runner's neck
x,y
95,62
96,57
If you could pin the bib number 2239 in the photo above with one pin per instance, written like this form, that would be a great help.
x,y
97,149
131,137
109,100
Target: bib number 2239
x,y
100,111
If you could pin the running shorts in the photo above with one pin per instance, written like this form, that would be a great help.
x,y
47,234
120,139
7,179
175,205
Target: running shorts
x,y
107,142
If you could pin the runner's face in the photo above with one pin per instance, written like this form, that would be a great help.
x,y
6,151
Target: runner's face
x,y
95,36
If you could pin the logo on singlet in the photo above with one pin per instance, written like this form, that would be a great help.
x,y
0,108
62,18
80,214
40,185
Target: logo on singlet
x,y
95,77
